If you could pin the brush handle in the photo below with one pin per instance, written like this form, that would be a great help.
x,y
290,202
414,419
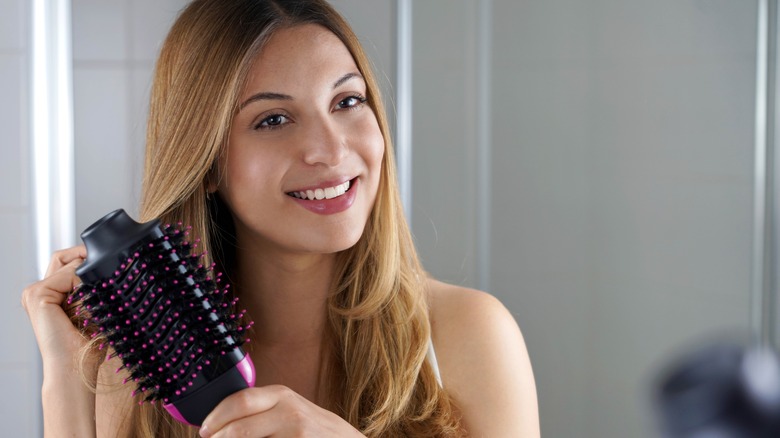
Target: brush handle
x,y
194,408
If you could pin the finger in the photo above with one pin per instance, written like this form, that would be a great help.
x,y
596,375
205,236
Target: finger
x,y
242,404
52,289
63,257
264,424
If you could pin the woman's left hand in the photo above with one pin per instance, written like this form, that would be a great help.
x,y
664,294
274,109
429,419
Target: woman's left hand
x,y
273,411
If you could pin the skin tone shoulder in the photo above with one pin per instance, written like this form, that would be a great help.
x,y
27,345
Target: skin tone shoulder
x,y
483,362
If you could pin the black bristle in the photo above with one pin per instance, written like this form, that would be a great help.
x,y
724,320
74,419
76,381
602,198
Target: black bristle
x,y
165,317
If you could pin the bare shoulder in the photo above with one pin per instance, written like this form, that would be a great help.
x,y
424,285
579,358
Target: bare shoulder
x,y
483,361
448,300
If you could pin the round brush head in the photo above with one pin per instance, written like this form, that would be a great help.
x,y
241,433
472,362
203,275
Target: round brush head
x,y
164,314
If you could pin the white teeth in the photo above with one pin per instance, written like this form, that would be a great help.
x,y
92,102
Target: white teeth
x,y
326,193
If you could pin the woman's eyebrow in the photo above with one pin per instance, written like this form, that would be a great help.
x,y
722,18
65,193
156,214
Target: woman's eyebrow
x,y
345,78
267,95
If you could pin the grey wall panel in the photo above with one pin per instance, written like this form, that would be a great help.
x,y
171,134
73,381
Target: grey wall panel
x,y
621,185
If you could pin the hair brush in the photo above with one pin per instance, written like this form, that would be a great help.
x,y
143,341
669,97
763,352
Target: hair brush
x,y
163,314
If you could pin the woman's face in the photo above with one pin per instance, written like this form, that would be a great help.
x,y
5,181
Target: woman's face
x,y
305,150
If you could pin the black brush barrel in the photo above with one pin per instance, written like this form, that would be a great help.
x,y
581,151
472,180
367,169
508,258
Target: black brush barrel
x,y
162,312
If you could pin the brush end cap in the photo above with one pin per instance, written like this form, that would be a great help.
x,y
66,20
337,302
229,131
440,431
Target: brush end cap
x,y
110,240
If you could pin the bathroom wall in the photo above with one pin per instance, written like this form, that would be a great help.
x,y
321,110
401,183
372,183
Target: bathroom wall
x,y
620,184
115,44
18,353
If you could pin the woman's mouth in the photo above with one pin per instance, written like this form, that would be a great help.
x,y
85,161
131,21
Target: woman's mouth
x,y
327,200
322,193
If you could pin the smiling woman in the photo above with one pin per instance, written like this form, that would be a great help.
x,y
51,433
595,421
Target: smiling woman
x,y
304,126
267,135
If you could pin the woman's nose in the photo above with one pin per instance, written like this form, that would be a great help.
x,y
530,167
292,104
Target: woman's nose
x,y
324,144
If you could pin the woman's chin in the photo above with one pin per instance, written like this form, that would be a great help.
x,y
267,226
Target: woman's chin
x,y
331,244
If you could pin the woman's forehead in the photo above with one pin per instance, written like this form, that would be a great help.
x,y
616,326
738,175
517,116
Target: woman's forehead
x,y
301,56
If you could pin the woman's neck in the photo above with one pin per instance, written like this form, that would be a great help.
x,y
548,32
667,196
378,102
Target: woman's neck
x,y
285,295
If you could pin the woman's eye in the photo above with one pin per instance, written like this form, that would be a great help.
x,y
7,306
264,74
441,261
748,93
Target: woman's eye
x,y
352,102
272,122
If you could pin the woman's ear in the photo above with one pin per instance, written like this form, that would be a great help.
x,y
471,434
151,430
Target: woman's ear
x,y
212,179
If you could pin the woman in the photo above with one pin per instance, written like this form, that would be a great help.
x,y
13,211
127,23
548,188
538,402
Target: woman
x,y
266,133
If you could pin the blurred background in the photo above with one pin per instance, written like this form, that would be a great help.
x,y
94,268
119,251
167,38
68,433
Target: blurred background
x,y
590,163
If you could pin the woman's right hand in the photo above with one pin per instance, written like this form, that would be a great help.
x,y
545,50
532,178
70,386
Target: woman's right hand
x,y
58,340
68,404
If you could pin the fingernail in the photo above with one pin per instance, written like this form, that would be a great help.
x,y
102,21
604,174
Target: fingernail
x,y
204,432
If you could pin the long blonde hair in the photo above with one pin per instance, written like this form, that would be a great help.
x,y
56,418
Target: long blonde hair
x,y
379,380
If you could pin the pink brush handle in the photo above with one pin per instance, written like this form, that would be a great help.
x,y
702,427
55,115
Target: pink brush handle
x,y
194,408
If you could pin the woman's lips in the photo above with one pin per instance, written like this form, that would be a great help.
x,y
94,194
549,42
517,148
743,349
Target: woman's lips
x,y
328,200
322,193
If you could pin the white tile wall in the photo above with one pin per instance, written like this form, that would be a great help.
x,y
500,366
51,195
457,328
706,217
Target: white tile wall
x,y
19,375
149,23
12,71
17,270
12,25
99,30
115,46
19,420
101,138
